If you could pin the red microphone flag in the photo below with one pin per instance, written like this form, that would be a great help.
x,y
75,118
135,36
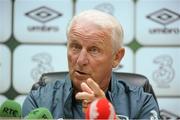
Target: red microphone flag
x,y
100,109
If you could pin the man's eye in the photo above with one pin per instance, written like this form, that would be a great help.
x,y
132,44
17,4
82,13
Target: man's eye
x,y
75,47
94,50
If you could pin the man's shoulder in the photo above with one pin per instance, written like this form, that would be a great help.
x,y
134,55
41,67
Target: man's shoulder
x,y
128,87
52,79
45,95
51,84
48,88
130,81
133,91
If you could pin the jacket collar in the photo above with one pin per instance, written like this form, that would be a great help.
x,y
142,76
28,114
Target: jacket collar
x,y
68,94
112,88
68,89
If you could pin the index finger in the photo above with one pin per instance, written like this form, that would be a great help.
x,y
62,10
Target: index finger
x,y
95,88
86,88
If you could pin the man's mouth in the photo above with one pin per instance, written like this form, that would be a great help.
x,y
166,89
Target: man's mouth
x,y
80,72
81,75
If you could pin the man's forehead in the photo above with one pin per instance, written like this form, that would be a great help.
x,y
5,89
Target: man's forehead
x,y
89,29
85,25
95,42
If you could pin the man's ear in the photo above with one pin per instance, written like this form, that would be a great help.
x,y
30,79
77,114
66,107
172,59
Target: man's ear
x,y
118,57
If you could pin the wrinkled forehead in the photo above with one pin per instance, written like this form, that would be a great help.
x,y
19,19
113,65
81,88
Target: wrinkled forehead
x,y
89,28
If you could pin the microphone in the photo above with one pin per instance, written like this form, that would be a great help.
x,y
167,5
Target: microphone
x,y
39,113
10,109
100,109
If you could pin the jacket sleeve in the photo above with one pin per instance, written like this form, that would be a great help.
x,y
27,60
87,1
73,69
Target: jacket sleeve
x,y
28,105
149,109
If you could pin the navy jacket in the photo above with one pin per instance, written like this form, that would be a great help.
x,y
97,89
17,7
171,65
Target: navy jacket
x,y
129,101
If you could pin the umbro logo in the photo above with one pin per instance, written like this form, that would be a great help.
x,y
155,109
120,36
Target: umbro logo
x,y
164,16
43,14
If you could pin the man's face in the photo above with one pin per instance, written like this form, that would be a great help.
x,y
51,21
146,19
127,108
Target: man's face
x,y
89,54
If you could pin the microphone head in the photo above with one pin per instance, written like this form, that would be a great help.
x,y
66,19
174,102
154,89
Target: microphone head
x,y
40,113
100,109
10,109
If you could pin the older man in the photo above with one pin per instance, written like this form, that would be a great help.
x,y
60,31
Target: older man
x,y
94,48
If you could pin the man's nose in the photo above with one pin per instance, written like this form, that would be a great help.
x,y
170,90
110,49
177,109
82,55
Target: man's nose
x,y
83,58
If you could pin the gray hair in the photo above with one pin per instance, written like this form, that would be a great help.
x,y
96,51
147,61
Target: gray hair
x,y
104,20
